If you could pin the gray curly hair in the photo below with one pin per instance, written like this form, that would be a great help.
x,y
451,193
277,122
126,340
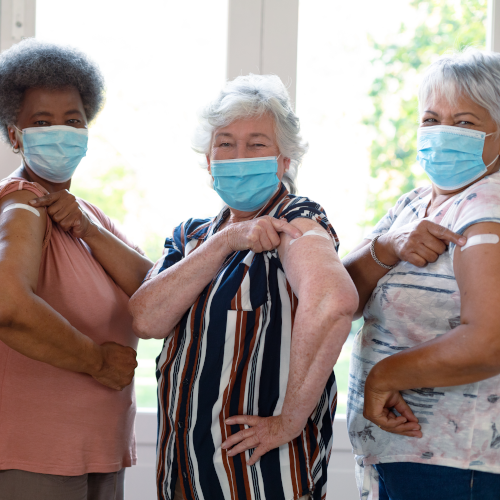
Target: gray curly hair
x,y
472,73
32,63
255,95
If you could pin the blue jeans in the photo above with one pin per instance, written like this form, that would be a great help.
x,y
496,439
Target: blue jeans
x,y
413,481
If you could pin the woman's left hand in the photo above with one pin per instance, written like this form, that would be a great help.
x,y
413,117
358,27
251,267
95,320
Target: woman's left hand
x,y
379,405
63,208
264,434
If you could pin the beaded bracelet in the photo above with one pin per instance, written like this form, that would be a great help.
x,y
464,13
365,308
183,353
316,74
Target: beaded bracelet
x,y
372,251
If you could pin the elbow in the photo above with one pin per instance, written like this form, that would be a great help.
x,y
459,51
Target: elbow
x,y
141,321
491,352
346,306
139,324
140,330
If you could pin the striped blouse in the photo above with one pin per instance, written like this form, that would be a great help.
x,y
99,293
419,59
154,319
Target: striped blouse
x,y
230,355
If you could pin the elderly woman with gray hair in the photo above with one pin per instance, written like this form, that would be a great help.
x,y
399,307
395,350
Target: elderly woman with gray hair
x,y
425,367
67,353
254,305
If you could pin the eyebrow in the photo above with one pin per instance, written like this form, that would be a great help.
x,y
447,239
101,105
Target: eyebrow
x,y
255,134
260,134
458,114
467,113
48,113
41,113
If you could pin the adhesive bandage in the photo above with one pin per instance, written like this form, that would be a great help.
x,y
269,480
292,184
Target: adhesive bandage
x,y
22,205
313,232
479,239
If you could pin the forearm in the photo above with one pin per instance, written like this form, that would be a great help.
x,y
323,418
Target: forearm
x,y
40,333
365,272
160,303
126,267
456,358
318,337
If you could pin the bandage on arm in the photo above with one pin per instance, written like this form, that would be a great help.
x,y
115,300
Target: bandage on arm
x,y
313,232
22,205
480,239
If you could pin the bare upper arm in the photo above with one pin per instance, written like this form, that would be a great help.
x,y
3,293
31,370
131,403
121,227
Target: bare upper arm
x,y
21,240
477,270
313,268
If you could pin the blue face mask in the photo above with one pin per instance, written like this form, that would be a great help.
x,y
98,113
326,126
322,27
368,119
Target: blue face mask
x,y
246,184
53,153
451,156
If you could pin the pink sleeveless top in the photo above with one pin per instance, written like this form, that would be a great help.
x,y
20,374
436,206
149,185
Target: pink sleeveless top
x,y
54,421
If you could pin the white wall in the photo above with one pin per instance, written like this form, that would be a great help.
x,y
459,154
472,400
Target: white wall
x,y
140,482
17,21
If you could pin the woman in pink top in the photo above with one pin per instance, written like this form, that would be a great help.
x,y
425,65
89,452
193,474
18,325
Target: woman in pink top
x,y
67,353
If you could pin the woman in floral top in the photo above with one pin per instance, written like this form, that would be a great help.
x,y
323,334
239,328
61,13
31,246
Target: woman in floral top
x,y
424,410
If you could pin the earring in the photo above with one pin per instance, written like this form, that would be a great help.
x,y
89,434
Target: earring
x,y
15,150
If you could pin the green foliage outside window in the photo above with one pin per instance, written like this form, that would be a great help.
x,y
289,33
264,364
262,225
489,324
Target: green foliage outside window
x,y
446,25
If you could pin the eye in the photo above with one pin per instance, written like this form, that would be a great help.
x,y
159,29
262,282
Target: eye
x,y
224,144
42,123
429,120
73,121
464,123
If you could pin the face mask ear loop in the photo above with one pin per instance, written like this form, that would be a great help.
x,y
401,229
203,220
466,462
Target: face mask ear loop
x,y
20,149
496,158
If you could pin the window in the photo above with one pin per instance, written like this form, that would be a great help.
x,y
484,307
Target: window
x,y
357,77
161,63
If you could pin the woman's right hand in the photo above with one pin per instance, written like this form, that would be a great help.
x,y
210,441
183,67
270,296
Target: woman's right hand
x,y
418,243
259,235
63,208
117,367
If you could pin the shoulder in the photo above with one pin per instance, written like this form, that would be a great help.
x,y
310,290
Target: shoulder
x,y
293,207
196,228
188,231
19,191
17,184
478,203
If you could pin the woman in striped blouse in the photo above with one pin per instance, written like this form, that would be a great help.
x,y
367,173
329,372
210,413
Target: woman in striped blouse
x,y
254,305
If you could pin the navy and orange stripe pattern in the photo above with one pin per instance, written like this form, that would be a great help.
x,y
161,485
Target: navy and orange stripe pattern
x,y
230,355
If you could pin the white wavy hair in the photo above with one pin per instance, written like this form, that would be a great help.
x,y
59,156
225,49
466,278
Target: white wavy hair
x,y
472,73
255,95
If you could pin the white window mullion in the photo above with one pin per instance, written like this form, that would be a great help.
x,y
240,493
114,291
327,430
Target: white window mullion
x,y
493,26
262,39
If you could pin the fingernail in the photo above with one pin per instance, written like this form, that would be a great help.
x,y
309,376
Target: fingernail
x,y
462,241
223,446
32,202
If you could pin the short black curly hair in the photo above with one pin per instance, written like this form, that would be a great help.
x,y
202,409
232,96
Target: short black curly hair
x,y
36,64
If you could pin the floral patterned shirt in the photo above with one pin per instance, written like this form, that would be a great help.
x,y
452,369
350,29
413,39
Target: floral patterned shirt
x,y
409,306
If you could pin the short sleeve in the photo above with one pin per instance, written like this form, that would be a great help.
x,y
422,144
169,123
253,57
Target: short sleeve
x,y
18,184
479,203
185,238
299,206
385,223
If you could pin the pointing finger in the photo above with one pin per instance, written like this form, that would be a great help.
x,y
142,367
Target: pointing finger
x,y
282,226
445,234
45,201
